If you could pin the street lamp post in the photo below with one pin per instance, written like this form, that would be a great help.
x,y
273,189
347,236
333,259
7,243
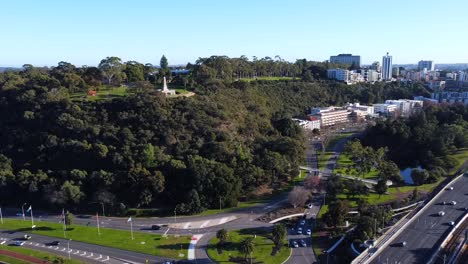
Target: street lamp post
x,y
68,248
22,209
103,214
175,214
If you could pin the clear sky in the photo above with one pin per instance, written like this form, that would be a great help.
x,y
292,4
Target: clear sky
x,y
85,31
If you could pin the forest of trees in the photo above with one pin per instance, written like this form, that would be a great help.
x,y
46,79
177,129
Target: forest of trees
x,y
145,150
427,139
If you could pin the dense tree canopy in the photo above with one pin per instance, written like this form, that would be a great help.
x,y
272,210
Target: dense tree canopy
x,y
145,150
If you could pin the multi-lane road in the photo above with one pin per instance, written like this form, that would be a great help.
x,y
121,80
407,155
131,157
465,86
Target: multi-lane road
x,y
424,235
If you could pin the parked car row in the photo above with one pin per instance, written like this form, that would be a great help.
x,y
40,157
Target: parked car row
x,y
296,244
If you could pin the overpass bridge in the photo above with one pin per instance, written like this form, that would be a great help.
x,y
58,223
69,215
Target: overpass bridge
x,y
327,173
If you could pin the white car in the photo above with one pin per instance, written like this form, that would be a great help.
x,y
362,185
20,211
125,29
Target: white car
x,y
451,223
309,232
450,188
302,222
294,243
453,203
310,206
19,243
441,213
299,231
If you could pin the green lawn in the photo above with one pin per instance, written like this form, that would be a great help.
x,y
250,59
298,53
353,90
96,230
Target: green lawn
x,y
461,156
268,79
36,254
153,244
262,250
344,166
103,92
323,159
11,260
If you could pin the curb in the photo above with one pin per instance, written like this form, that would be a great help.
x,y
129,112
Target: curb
x,y
290,254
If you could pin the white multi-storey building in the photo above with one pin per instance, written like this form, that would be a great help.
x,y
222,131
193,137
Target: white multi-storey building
x,y
330,116
310,124
406,107
384,109
387,68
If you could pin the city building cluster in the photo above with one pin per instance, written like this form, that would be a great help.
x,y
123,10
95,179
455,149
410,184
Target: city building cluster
x,y
321,117
352,71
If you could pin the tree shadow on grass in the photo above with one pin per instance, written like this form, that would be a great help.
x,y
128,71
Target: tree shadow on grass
x,y
37,228
256,231
174,246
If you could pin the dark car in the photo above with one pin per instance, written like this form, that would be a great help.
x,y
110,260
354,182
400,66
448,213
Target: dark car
x,y
155,227
54,243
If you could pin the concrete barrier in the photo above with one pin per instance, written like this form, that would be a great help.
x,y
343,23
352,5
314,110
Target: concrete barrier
x,y
360,259
285,217
449,236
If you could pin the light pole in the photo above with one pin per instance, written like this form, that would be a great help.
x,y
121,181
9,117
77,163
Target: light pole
x,y
175,214
68,248
22,209
103,214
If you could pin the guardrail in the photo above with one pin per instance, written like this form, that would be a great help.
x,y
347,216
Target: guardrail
x,y
366,257
447,239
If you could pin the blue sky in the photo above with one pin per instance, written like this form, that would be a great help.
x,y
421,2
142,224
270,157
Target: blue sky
x,y
85,31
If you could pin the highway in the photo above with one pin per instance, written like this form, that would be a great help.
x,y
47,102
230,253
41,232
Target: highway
x,y
425,234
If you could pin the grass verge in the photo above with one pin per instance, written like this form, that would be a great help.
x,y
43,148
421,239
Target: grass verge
x,y
102,92
263,248
154,244
37,254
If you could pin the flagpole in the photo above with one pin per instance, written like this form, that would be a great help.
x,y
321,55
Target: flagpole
x,y
97,220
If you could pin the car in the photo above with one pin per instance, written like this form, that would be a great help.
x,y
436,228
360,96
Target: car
x,y
451,223
299,231
310,206
309,232
54,243
450,188
401,244
441,213
302,222
303,243
19,214
19,243
27,237
155,227
453,203
444,203
294,244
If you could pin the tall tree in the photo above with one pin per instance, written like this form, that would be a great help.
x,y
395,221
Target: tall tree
x,y
246,247
222,236
111,67
278,235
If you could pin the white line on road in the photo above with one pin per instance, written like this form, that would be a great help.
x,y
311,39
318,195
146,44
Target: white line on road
x,y
205,223
63,249
165,233
100,257
192,245
83,254
223,220
105,259
187,225
77,252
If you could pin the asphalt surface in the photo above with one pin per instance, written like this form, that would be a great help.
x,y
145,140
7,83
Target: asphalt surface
x,y
426,233
85,252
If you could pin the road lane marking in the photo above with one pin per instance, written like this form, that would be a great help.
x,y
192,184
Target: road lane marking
x,y
104,260
165,233
83,254
63,249
192,245
205,223
223,220
187,225
100,257
77,252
